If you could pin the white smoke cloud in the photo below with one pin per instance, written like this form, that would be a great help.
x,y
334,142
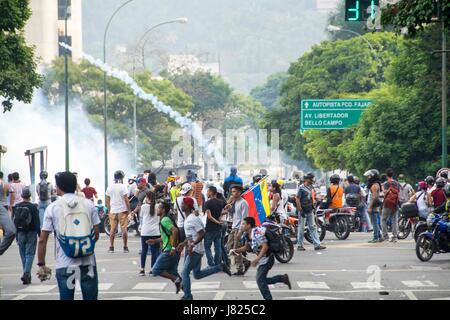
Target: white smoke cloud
x,y
34,125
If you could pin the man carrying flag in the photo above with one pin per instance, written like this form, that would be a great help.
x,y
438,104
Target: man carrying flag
x,y
239,211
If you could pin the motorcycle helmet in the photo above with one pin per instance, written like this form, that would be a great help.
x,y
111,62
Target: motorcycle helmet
x,y
335,179
356,180
309,176
447,190
43,175
351,179
440,182
119,175
429,180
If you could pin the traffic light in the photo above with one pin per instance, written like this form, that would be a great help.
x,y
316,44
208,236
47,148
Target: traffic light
x,y
360,10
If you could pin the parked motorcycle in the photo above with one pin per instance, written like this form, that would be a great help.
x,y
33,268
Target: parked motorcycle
x,y
286,255
340,221
433,240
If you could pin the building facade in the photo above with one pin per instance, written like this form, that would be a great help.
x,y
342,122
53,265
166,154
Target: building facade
x,y
45,28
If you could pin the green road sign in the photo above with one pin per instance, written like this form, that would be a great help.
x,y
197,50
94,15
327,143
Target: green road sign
x,y
331,114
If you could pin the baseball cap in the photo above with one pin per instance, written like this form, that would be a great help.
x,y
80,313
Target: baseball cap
x,y
141,180
185,188
189,202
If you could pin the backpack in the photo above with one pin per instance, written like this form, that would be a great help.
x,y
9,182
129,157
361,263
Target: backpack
x,y
391,197
22,218
76,231
353,199
275,241
306,202
43,191
168,233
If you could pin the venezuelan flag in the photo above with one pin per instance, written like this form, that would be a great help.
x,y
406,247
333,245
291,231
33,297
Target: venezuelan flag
x,y
258,201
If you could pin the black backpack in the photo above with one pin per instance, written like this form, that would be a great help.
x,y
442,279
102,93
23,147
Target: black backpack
x,y
275,241
353,199
43,191
22,218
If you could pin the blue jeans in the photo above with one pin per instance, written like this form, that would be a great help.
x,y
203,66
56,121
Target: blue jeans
x,y
27,248
154,249
166,263
263,281
87,276
376,225
223,250
193,263
9,230
364,216
42,207
210,238
312,229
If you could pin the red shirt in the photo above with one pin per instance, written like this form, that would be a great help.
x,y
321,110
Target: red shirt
x,y
438,196
89,192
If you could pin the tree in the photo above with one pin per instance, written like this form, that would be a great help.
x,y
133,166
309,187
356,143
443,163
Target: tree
x,y
330,70
415,15
269,93
154,128
18,76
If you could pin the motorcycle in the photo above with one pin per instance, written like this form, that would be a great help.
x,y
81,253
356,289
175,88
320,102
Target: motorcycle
x,y
340,221
286,255
433,240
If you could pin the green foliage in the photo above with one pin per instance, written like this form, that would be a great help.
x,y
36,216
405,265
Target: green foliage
x,y
268,94
415,15
154,129
18,76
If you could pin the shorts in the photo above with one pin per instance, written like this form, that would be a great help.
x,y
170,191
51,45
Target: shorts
x,y
166,263
122,218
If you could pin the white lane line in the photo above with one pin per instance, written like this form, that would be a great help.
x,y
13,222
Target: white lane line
x,y
366,285
419,284
205,285
312,285
20,297
254,285
410,295
219,295
311,298
37,289
150,286
420,268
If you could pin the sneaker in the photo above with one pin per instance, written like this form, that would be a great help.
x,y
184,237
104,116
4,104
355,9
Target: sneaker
x,y
225,269
373,241
26,278
287,281
142,273
184,298
301,248
320,248
150,273
177,285
125,250
111,250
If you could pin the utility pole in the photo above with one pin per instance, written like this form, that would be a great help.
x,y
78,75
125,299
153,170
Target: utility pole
x,y
66,87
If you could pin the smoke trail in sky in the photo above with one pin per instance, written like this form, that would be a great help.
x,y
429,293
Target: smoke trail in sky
x,y
181,120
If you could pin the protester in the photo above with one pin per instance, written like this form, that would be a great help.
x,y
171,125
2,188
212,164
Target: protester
x,y
3,193
9,230
118,208
166,265
149,229
197,187
438,194
89,191
232,179
278,204
26,220
423,199
257,242
15,190
186,191
406,190
214,209
195,232
239,212
44,190
390,206
374,202
305,204
75,259
335,193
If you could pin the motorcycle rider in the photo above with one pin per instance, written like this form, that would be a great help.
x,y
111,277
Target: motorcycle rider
x,y
305,208
430,184
438,194
374,202
335,193
355,197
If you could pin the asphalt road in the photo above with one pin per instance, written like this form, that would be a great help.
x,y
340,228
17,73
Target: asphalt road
x,y
351,269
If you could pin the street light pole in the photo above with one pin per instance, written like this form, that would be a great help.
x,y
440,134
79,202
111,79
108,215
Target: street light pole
x,y
66,87
178,20
105,113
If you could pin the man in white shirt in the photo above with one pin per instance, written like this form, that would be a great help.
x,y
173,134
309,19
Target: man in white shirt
x,y
69,269
186,191
118,207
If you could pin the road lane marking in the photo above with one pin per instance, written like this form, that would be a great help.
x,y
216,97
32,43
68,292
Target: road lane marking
x,y
312,285
150,286
419,284
219,295
366,285
410,295
205,285
420,268
20,297
37,289
254,285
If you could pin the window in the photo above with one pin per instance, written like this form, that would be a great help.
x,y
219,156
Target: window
x,y
62,9
61,38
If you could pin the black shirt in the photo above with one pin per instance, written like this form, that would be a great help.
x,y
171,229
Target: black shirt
x,y
216,207
35,222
